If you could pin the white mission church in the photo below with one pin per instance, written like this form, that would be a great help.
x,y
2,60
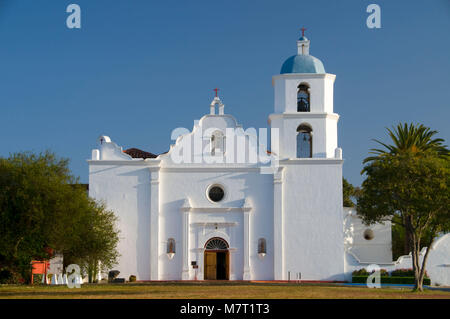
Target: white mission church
x,y
199,219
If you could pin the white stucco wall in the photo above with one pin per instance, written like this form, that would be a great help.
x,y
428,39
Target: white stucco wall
x,y
439,261
126,190
376,250
179,184
437,267
312,214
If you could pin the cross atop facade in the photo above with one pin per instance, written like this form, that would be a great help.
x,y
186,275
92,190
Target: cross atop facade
x,y
303,31
216,90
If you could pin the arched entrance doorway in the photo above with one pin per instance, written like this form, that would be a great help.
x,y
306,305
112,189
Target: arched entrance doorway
x,y
217,259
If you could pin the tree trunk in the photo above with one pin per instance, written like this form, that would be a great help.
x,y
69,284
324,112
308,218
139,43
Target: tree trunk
x,y
415,253
416,268
407,240
90,270
424,262
95,273
407,246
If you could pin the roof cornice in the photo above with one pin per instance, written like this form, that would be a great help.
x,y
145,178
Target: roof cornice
x,y
310,115
304,75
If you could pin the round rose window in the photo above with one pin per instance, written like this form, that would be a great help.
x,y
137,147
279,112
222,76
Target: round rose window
x,y
216,193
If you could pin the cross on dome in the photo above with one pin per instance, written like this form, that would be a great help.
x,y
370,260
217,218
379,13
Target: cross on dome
x,y
302,62
303,44
303,31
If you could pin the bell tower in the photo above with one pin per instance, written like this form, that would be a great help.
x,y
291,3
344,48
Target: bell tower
x,y
308,213
304,107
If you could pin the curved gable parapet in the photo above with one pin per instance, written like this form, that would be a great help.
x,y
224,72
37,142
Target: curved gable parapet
x,y
441,240
110,150
199,146
222,122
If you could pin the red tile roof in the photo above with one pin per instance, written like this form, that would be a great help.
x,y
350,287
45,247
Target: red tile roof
x,y
137,153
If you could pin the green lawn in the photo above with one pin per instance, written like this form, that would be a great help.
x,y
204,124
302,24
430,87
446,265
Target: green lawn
x,y
214,290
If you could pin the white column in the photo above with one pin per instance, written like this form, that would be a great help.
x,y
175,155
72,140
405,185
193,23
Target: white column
x,y
185,273
200,253
278,229
247,274
231,253
154,223
247,208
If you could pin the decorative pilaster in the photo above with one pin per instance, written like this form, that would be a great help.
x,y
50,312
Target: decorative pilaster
x,y
232,252
278,225
154,223
199,253
247,209
185,275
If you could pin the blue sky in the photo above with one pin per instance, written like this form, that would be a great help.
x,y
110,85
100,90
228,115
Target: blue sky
x,y
138,69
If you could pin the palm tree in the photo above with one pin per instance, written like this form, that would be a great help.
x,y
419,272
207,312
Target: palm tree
x,y
415,139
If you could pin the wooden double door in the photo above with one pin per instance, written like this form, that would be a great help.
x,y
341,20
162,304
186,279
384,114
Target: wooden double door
x,y
217,265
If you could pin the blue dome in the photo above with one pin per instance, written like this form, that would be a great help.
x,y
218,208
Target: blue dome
x,y
302,64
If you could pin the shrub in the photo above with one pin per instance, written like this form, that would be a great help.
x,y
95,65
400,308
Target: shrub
x,y
132,278
402,273
390,280
405,273
384,272
360,272
9,277
6,277
37,279
364,272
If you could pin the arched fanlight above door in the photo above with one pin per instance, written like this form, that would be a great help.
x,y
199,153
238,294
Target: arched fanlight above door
x,y
216,243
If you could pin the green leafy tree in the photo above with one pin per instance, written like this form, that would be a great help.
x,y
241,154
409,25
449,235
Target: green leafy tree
x,y
42,208
413,188
32,192
93,245
400,240
349,193
414,139
410,138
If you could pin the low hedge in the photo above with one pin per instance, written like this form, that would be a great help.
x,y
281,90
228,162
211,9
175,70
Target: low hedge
x,y
364,272
405,272
390,280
